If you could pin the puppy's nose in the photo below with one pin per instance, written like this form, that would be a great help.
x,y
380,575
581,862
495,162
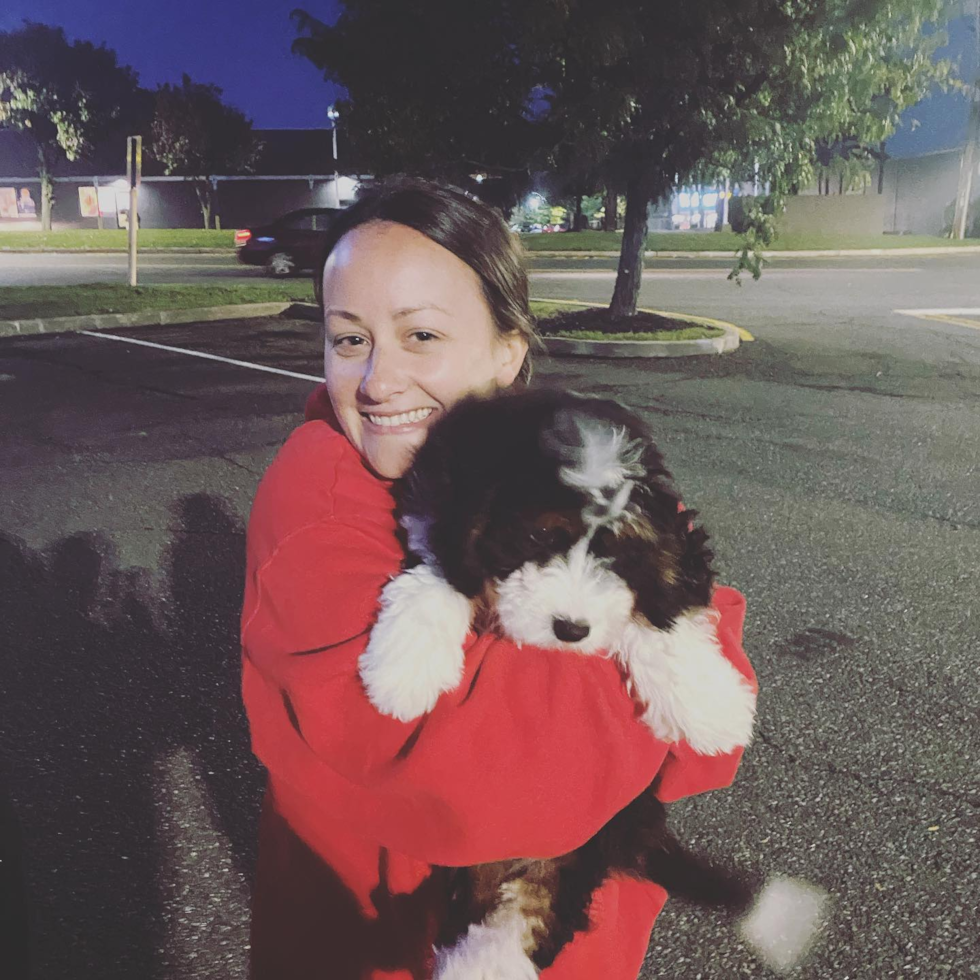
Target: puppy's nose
x,y
569,632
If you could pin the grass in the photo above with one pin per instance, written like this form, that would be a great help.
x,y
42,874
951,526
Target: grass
x,y
115,238
30,302
725,241
579,241
595,323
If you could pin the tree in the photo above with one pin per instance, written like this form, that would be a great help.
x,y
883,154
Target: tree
x,y
66,97
195,134
722,88
435,87
644,96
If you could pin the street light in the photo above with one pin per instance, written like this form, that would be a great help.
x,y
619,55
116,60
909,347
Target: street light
x,y
334,116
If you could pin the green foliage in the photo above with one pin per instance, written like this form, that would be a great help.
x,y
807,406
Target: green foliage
x,y
195,135
626,93
66,97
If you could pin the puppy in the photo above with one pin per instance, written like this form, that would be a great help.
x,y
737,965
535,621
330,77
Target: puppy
x,y
550,518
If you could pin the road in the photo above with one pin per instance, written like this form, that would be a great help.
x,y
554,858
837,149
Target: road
x,y
834,461
827,304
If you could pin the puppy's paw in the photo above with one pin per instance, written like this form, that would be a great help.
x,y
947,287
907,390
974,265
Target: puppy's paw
x,y
486,952
416,648
688,688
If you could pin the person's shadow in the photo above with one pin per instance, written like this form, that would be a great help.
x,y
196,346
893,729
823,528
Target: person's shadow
x,y
125,755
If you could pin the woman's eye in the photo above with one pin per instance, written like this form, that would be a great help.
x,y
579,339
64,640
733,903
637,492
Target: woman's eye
x,y
351,340
423,335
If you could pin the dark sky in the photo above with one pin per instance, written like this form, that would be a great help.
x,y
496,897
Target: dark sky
x,y
240,45
244,47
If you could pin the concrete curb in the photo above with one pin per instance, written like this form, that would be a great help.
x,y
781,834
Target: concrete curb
x,y
800,254
144,318
568,347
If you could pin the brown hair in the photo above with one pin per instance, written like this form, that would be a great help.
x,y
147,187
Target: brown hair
x,y
473,231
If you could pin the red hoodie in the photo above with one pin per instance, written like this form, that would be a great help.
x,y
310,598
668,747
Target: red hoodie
x,y
531,755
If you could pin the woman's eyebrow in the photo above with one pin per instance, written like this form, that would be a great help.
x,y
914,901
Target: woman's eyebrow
x,y
416,309
343,314
405,311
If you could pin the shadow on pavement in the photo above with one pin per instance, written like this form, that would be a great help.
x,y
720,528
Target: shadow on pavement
x,y
104,674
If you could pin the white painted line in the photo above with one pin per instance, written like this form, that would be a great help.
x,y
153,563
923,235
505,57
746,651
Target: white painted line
x,y
954,311
652,273
197,353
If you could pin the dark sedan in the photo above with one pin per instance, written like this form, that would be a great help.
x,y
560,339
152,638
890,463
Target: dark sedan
x,y
287,245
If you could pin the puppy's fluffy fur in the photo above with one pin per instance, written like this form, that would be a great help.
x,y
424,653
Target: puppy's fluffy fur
x,y
551,518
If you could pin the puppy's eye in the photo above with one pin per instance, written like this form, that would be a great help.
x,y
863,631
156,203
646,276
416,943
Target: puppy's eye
x,y
553,538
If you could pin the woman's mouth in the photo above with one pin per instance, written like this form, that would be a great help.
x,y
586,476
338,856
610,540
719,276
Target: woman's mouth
x,y
404,418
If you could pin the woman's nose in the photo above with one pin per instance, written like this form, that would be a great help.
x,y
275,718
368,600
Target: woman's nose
x,y
383,376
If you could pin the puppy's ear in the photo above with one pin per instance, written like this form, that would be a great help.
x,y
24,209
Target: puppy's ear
x,y
697,575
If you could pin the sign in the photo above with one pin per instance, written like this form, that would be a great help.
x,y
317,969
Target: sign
x,y
16,203
88,202
8,202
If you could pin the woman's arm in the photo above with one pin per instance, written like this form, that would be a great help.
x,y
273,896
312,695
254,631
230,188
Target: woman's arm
x,y
531,755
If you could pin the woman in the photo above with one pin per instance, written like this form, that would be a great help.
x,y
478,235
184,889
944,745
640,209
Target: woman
x,y
425,301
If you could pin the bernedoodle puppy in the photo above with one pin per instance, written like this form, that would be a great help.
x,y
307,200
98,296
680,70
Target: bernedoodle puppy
x,y
551,519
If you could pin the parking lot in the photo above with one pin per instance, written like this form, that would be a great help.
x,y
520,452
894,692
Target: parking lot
x,y
839,484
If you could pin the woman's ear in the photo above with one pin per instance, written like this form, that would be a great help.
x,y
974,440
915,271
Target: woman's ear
x,y
511,349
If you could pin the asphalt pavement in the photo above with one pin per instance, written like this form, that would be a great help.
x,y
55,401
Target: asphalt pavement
x,y
834,461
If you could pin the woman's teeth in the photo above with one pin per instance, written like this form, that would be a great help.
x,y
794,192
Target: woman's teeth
x,y
404,419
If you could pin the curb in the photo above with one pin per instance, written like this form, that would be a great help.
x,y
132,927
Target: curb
x,y
801,253
570,347
155,318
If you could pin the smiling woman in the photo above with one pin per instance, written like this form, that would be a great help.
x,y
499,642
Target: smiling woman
x,y
408,333
425,301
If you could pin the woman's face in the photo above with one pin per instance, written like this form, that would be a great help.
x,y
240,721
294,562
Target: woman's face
x,y
407,335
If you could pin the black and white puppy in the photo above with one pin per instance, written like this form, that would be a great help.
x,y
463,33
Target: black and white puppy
x,y
551,519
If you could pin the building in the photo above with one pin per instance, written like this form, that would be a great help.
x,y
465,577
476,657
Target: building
x,y
295,169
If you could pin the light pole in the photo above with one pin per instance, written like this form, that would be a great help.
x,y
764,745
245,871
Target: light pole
x,y
333,115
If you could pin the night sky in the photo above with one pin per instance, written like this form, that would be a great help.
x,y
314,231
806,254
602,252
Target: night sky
x,y
240,45
243,46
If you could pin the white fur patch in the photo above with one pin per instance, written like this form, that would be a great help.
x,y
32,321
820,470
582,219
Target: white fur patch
x,y
416,648
490,950
605,458
690,690
577,587
784,921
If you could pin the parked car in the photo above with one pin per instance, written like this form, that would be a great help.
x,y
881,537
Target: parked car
x,y
287,245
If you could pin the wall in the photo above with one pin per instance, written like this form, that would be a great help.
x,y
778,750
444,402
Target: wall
x,y
174,204
833,214
919,190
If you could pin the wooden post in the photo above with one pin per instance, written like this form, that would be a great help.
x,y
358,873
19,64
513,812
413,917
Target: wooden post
x,y
134,169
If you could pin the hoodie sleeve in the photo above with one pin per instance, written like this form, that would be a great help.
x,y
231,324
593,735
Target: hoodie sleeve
x,y
530,755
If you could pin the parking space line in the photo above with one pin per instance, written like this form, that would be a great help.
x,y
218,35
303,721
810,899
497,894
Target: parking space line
x,y
958,315
197,353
